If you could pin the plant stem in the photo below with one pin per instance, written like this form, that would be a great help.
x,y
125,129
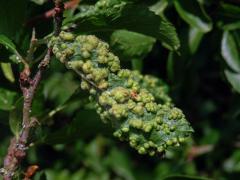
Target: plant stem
x,y
18,147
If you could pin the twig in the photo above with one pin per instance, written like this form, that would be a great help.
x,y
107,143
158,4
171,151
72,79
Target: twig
x,y
32,47
31,171
18,147
72,4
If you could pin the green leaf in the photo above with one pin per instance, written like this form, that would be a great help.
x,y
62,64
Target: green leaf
x,y
120,163
228,16
159,7
6,99
193,13
4,40
185,177
85,124
7,71
131,45
15,117
136,18
230,51
231,26
233,79
137,64
194,39
59,87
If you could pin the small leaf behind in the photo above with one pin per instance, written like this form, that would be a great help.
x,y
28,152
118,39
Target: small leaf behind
x,y
233,79
4,40
193,13
7,71
15,117
6,99
230,52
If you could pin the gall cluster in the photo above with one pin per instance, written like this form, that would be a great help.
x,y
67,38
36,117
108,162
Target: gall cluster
x,y
137,106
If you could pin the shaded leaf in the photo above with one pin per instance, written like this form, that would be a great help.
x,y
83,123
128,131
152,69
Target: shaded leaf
x,y
137,64
194,38
59,87
131,44
230,52
136,18
4,40
7,71
120,163
85,124
233,79
159,7
6,99
193,13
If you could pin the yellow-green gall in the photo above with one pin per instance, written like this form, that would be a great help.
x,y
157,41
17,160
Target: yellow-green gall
x,y
63,46
129,83
85,54
75,64
136,123
120,94
133,143
152,107
85,85
105,100
100,73
102,59
146,145
66,36
142,150
124,73
181,139
93,40
147,127
169,142
103,84
138,109
152,153
117,134
131,104
159,120
115,66
160,149
125,129
146,96
118,111
87,67
93,91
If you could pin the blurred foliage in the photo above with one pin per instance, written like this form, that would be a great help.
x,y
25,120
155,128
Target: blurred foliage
x,y
194,46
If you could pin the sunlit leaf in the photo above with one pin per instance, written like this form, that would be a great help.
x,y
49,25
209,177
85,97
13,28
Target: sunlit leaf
x,y
7,71
230,51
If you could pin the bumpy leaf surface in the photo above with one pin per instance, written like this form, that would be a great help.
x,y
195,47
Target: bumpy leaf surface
x,y
148,121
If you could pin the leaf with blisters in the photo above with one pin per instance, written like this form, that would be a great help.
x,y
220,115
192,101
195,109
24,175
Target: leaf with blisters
x,y
230,51
15,117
